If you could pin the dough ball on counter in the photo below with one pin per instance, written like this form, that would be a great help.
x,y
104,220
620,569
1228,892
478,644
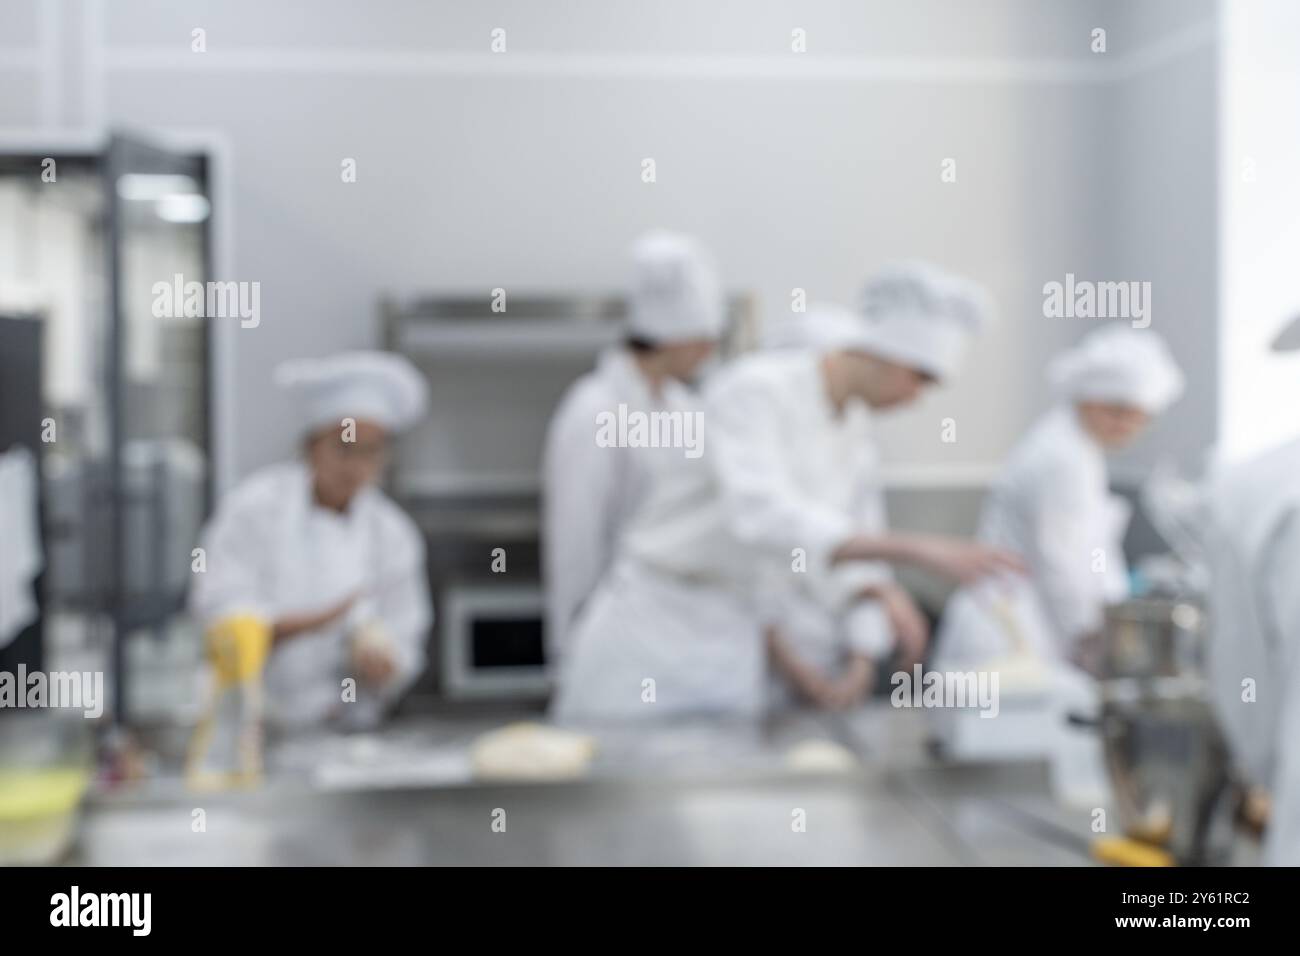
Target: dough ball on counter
x,y
820,756
528,751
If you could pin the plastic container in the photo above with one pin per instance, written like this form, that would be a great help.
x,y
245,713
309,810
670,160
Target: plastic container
x,y
45,771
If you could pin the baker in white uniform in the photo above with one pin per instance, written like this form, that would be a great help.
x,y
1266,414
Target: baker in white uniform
x,y
591,488
677,627
1253,547
819,654
1052,504
321,558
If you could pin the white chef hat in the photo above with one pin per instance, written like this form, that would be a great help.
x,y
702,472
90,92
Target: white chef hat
x,y
917,315
822,328
675,293
372,386
1121,364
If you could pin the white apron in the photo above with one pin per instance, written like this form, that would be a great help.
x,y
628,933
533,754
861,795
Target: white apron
x,y
650,645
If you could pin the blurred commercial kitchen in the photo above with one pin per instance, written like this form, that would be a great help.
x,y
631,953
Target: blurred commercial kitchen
x,y
384,172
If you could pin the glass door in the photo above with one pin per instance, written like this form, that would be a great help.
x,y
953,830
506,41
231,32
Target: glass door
x,y
157,372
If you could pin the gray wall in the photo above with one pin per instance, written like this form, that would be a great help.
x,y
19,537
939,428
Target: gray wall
x,y
1161,210
522,170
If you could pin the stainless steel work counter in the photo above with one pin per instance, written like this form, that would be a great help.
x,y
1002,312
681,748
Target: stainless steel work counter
x,y
688,794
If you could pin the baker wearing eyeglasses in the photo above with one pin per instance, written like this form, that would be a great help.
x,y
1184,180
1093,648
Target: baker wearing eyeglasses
x,y
310,568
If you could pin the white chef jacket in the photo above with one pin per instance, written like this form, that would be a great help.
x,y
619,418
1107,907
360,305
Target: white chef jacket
x,y
589,492
783,481
789,480
1253,548
271,551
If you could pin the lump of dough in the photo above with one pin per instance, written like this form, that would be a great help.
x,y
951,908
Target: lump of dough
x,y
528,751
820,756
372,637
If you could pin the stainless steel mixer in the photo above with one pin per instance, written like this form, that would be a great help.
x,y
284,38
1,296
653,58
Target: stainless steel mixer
x,y
1166,757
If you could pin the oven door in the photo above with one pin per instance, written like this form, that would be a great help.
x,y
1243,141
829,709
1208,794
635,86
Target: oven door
x,y
492,641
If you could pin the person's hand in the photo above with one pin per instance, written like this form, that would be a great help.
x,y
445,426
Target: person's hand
x,y
374,665
824,693
908,624
808,681
850,688
817,689
961,560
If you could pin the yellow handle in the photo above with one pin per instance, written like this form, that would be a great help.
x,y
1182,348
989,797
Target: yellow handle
x,y
1121,851
237,647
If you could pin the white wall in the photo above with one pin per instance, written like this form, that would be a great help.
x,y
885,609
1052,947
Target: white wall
x,y
522,170
1260,195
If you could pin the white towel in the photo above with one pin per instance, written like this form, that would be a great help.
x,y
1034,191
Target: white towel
x,y
20,542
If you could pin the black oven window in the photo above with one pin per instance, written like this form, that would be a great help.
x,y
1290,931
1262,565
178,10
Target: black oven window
x,y
507,642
